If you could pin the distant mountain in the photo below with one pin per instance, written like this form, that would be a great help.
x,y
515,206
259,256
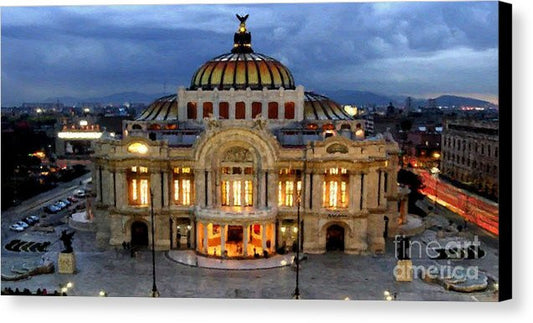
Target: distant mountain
x,y
116,98
360,98
452,100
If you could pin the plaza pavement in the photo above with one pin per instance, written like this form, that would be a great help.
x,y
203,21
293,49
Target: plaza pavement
x,y
334,275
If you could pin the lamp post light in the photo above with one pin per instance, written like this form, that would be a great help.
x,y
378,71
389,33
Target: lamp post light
x,y
296,294
154,293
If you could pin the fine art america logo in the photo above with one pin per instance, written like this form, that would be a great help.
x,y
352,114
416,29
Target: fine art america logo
x,y
405,249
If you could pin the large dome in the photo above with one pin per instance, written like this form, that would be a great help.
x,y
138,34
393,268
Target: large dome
x,y
240,71
242,68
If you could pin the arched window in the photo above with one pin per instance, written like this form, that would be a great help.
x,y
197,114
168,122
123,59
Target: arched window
x,y
154,126
207,109
257,108
136,127
240,110
192,112
289,110
223,110
272,110
335,188
182,186
138,185
237,178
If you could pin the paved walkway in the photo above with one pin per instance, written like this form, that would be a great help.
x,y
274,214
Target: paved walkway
x,y
189,257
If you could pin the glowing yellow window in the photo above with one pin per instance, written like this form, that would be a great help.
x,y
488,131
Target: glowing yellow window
x,y
134,196
289,192
333,191
280,194
186,191
237,193
176,190
343,193
248,196
144,191
225,193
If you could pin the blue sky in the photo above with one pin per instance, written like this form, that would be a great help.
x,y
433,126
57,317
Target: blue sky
x,y
422,49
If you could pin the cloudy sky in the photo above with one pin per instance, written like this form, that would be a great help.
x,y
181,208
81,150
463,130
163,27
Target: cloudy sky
x,y
393,48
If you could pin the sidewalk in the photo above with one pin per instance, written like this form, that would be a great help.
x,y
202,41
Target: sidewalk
x,y
189,257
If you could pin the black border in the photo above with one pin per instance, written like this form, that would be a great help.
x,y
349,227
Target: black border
x,y
505,173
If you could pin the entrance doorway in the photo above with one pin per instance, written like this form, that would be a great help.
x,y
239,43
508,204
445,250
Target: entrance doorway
x,y
335,238
139,234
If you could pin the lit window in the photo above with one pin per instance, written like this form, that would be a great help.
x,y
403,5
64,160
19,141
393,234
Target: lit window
x,y
280,194
186,190
237,193
134,190
343,193
248,193
183,186
138,181
176,190
144,191
333,194
225,193
289,191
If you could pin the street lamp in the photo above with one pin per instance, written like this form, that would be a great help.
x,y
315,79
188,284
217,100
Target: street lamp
x,y
155,293
296,294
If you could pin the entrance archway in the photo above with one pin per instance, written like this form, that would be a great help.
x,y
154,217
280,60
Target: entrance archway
x,y
139,234
335,238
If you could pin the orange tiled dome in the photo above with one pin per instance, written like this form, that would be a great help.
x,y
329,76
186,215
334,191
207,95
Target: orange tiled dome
x,y
240,71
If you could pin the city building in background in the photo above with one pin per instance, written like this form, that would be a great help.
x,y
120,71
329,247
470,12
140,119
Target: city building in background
x,y
470,154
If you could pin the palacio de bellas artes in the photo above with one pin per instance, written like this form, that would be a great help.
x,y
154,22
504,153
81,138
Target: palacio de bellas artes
x,y
227,161
237,181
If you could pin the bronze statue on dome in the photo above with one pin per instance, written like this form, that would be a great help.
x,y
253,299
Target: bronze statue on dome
x,y
242,19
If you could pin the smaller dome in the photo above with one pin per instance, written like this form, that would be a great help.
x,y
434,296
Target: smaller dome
x,y
165,108
320,107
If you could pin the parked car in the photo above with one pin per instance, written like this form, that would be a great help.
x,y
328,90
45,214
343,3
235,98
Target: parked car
x,y
52,209
16,227
79,193
22,224
29,220
72,199
35,218
60,204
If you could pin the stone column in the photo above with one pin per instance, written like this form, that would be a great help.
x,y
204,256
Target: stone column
x,y
263,236
199,179
353,199
155,185
200,109
222,239
260,188
317,191
122,188
193,235
206,249
231,109
272,186
281,110
245,238
210,190
306,194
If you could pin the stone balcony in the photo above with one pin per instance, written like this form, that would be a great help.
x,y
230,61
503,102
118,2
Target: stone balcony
x,y
230,214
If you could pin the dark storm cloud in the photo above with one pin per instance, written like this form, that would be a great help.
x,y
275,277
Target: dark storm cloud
x,y
410,48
